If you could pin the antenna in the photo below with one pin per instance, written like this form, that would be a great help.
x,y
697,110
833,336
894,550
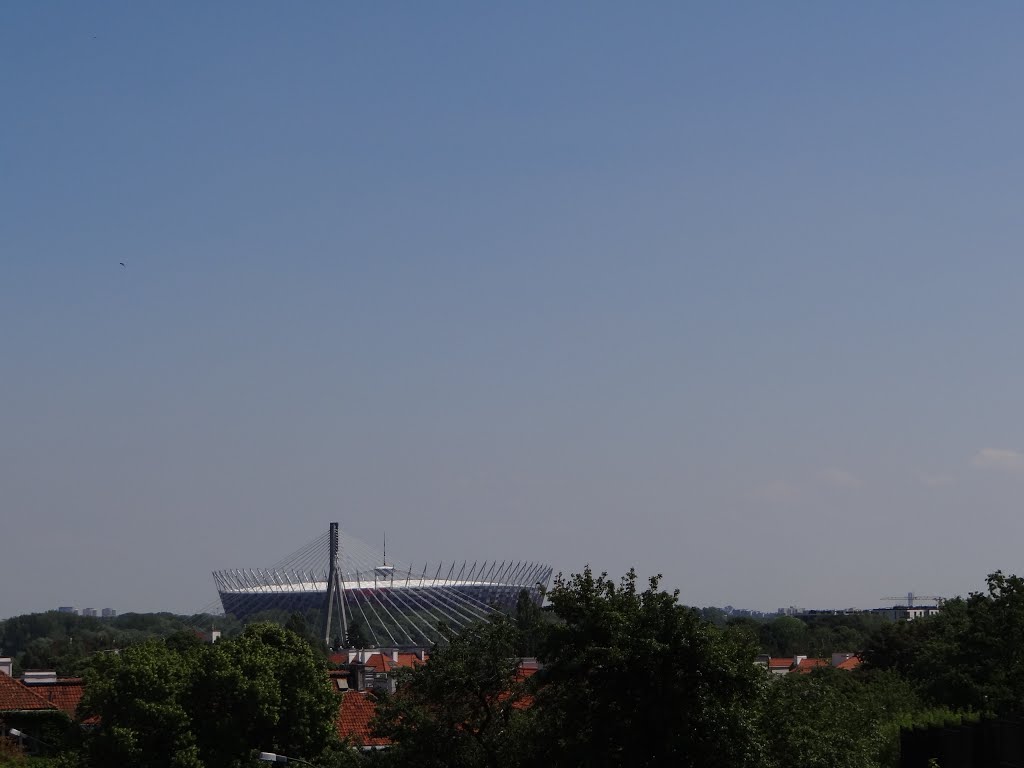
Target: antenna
x,y
385,547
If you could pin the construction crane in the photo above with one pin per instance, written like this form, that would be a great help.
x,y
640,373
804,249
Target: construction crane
x,y
910,597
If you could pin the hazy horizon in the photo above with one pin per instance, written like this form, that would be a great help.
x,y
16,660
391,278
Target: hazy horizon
x,y
720,292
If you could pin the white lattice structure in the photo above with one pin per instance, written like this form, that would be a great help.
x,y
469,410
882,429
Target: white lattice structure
x,y
396,604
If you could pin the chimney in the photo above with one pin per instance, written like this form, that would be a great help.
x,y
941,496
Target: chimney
x,y
7,666
357,676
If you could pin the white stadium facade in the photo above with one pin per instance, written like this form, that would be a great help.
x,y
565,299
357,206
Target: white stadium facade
x,y
344,582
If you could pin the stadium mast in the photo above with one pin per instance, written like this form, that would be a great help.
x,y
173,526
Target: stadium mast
x,y
335,592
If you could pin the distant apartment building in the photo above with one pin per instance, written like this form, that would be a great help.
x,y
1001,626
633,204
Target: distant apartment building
x,y
909,612
106,613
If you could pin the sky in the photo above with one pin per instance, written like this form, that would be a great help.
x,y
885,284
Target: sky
x,y
725,292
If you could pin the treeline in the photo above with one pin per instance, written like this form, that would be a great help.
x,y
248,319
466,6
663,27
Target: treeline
x,y
64,641
813,635
628,677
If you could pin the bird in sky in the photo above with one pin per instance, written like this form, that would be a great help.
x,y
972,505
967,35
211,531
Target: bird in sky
x,y
121,263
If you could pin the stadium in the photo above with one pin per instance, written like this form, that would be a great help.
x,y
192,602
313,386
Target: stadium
x,y
344,582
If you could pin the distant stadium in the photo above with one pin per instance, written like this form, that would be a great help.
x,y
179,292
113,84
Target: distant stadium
x,y
344,582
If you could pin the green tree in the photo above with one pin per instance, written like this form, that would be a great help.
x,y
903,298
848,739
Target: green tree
x,y
463,708
265,689
356,636
530,623
967,656
634,678
784,636
834,719
174,704
138,697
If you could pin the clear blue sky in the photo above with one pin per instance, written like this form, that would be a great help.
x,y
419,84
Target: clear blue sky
x,y
729,292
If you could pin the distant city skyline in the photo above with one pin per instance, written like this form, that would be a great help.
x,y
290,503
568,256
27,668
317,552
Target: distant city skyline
x,y
726,293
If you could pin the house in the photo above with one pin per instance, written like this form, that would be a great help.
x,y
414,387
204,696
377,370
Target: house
x,y
63,692
846,661
807,665
358,707
17,698
375,669
356,710
783,665
778,665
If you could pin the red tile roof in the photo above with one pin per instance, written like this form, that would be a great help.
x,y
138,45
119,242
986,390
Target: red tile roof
x,y
851,663
15,697
357,708
379,662
406,659
355,712
806,665
63,694
780,662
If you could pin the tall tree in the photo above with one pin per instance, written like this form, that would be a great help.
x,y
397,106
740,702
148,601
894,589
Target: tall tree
x,y
181,705
634,678
967,656
356,637
464,708
836,719
138,696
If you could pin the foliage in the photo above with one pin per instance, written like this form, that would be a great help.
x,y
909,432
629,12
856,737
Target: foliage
x,y
65,641
48,732
967,657
11,754
464,707
816,635
167,704
836,719
356,636
138,696
634,678
531,625
267,688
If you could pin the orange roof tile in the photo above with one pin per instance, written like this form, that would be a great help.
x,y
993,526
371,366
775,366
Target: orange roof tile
x,y
806,665
355,712
16,697
408,659
780,662
64,694
851,663
379,662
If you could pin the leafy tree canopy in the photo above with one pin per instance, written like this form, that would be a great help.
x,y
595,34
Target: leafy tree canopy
x,y
966,657
464,707
172,704
634,678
